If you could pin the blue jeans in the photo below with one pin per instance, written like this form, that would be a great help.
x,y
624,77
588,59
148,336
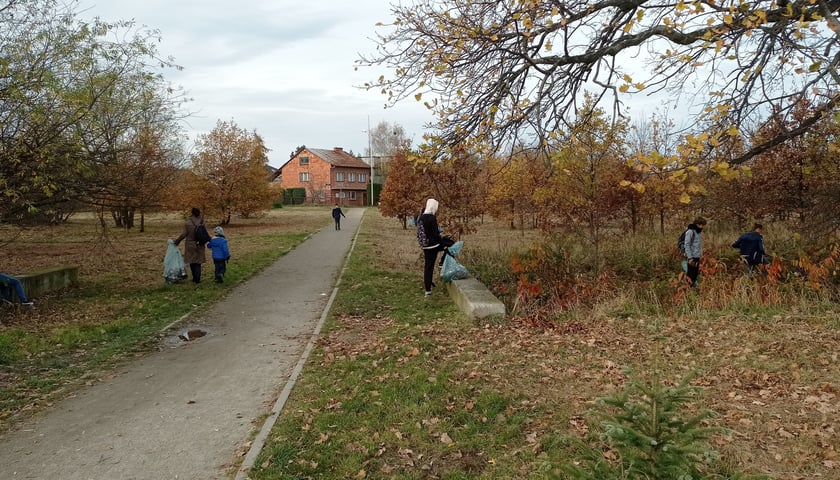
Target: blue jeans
x,y
7,283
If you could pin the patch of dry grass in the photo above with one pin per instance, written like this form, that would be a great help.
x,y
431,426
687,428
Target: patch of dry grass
x,y
774,381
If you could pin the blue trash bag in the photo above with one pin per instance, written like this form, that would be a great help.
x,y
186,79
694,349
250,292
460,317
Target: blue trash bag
x,y
451,269
455,249
173,264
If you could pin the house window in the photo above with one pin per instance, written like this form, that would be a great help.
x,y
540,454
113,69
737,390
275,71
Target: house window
x,y
337,195
351,177
304,176
304,160
341,194
362,177
339,176
352,195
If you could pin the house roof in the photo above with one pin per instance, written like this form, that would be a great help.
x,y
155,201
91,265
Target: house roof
x,y
338,157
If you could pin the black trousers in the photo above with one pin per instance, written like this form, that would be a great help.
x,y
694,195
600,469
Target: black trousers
x,y
693,271
429,259
195,269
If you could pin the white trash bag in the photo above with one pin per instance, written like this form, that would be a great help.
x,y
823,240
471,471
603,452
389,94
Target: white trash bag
x,y
173,264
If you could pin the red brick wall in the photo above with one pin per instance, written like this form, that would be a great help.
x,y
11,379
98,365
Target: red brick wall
x,y
322,186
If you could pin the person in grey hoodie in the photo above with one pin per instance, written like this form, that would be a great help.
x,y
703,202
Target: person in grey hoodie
x,y
694,249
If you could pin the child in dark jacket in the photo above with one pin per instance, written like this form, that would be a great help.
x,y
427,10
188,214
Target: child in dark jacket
x,y
221,254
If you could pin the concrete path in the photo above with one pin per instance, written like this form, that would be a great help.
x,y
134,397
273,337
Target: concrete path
x,y
187,411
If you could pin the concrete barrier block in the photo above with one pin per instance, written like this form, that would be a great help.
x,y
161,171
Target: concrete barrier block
x,y
474,299
43,281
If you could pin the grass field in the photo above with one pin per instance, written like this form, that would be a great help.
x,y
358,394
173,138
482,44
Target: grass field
x,y
402,387
121,303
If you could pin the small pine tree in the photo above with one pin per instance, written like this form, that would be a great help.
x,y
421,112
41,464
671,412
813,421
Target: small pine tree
x,y
652,435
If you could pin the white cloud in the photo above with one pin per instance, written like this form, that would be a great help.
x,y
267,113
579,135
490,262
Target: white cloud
x,y
282,68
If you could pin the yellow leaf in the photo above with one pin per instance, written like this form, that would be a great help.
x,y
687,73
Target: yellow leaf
x,y
733,131
639,86
640,187
625,183
627,78
418,96
685,198
624,88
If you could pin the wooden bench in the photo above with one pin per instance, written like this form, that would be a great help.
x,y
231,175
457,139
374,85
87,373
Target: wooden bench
x,y
47,280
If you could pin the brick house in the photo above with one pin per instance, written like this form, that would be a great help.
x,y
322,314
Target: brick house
x,y
329,176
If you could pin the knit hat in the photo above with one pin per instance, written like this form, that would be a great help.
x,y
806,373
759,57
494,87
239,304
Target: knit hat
x,y
218,231
431,206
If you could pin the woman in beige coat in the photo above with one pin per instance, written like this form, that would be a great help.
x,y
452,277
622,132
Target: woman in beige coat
x,y
194,254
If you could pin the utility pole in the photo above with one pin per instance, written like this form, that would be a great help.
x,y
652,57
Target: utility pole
x,y
370,155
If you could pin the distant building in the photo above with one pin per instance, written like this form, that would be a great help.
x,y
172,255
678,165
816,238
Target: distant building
x,y
328,176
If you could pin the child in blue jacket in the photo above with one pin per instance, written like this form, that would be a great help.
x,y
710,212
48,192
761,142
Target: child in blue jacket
x,y
221,254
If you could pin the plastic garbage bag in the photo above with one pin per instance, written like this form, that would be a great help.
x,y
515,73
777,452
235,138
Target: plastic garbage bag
x,y
455,249
451,269
173,264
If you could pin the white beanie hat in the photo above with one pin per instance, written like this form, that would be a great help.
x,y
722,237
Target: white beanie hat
x,y
219,231
431,206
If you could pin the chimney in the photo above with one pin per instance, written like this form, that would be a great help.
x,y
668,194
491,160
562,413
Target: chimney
x,y
338,149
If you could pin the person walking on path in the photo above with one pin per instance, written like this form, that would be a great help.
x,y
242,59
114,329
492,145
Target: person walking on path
x,y
188,410
194,254
751,248
221,253
8,284
337,214
694,249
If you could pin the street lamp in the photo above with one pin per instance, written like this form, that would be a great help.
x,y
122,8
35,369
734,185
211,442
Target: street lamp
x,y
370,156
370,153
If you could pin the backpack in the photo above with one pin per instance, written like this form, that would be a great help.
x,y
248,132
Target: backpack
x,y
202,236
681,242
422,238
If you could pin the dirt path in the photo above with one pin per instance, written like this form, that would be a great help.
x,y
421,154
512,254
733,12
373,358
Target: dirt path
x,y
186,411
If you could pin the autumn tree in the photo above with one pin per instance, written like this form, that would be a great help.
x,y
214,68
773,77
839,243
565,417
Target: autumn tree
x,y
404,191
460,185
660,176
510,194
230,173
386,139
57,73
499,71
134,133
584,188
799,180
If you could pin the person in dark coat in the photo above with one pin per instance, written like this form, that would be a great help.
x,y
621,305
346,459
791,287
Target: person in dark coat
x,y
432,244
194,254
751,248
337,214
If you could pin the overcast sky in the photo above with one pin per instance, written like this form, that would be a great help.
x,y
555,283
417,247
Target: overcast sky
x,y
284,68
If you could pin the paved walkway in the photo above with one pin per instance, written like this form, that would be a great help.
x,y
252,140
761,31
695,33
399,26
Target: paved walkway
x,y
186,411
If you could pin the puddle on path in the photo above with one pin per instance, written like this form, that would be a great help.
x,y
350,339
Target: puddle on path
x,y
184,336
